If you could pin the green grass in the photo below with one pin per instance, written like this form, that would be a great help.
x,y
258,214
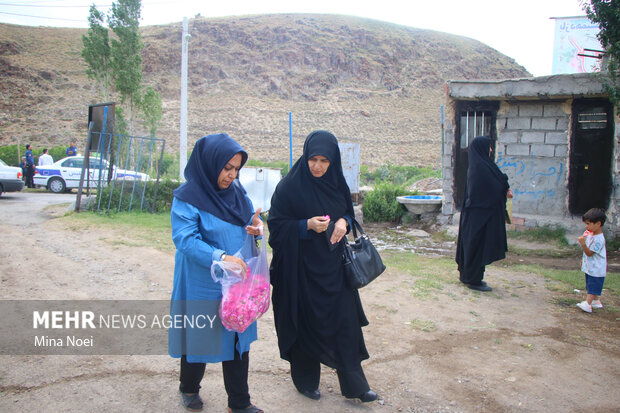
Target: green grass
x,y
543,235
149,230
429,275
542,252
570,280
427,326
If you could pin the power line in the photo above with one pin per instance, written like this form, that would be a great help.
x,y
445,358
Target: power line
x,y
41,17
33,5
47,6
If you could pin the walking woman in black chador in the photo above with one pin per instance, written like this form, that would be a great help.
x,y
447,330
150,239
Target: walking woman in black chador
x,y
318,317
482,228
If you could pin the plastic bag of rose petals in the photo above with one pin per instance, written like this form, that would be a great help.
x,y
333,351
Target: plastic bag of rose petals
x,y
245,297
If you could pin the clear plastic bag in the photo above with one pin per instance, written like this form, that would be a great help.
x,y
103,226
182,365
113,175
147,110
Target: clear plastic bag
x,y
245,297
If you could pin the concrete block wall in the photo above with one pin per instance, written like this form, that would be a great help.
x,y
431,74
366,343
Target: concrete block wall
x,y
533,127
532,149
447,161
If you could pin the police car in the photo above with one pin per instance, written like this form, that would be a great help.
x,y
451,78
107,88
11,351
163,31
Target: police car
x,y
10,178
65,174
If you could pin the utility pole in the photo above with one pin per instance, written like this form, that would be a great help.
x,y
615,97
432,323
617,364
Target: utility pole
x,y
183,137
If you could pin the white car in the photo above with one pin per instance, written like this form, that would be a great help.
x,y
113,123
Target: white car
x,y
65,174
10,178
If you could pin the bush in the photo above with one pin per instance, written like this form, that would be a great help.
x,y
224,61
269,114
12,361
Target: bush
x,y
398,175
9,155
381,205
163,203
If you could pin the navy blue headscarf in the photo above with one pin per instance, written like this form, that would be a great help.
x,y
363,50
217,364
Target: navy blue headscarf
x,y
211,153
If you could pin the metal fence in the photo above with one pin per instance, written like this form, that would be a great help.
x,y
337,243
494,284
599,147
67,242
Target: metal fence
x,y
123,170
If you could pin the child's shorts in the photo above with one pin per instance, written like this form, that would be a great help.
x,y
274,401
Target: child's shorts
x,y
594,285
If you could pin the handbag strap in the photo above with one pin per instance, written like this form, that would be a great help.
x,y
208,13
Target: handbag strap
x,y
355,226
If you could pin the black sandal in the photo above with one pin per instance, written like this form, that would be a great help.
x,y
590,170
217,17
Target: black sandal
x,y
192,403
250,409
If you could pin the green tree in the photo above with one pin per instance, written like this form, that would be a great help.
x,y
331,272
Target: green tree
x,y
607,14
96,53
120,122
152,110
125,50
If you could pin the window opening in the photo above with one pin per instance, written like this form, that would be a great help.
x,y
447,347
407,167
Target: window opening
x,y
474,123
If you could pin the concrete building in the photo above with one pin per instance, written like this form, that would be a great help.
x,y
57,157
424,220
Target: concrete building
x,y
556,137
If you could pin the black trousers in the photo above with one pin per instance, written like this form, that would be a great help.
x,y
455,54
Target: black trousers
x,y
472,277
30,176
235,374
306,374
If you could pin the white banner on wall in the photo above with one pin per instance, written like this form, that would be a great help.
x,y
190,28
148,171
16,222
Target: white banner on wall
x,y
572,36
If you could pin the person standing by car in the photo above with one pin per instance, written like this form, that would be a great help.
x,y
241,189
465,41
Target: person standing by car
x,y
71,150
22,165
29,167
45,158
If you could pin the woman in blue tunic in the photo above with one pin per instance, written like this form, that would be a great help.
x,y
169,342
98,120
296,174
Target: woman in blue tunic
x,y
211,216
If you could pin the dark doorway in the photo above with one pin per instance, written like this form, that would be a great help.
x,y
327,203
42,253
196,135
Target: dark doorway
x,y
590,178
473,119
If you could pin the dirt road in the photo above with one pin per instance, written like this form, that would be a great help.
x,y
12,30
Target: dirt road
x,y
518,349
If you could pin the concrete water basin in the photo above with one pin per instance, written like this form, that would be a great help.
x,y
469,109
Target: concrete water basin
x,y
421,204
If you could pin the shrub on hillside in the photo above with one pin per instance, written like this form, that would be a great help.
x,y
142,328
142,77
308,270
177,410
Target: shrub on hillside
x,y
381,205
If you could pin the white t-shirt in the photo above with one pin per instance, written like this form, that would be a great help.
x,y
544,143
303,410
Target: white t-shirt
x,y
596,265
46,159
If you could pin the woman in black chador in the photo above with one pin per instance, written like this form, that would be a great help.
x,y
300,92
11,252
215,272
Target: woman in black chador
x,y
482,229
318,317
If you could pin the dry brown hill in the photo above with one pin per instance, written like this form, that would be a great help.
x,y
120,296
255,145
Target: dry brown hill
x,y
371,82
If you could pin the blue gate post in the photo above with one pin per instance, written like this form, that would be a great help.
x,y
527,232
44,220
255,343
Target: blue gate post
x,y
100,147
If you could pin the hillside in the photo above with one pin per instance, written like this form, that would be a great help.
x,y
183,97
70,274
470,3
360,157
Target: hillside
x,y
367,81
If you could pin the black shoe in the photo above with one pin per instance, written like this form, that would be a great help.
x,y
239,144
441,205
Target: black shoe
x,y
311,394
369,396
480,287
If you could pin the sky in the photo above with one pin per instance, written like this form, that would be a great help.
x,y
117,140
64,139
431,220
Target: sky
x,y
520,29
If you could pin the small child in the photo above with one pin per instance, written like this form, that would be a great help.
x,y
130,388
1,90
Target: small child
x,y
594,261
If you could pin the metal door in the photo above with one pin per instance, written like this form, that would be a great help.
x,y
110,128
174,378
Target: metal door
x,y
591,152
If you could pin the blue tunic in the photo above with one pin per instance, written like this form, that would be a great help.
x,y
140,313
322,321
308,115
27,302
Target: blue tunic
x,y
200,238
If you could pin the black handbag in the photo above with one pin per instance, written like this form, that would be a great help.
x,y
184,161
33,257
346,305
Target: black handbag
x,y
362,262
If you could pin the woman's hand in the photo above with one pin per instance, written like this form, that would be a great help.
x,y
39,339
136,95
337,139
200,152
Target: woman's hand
x,y
340,229
239,261
318,224
257,225
509,194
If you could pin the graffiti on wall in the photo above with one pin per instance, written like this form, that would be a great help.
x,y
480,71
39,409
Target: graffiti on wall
x,y
530,178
